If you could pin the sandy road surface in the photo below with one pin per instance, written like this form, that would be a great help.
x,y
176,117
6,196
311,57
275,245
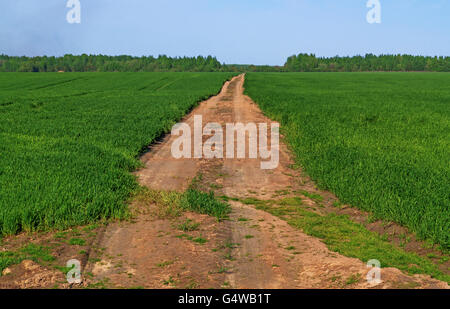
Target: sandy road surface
x,y
251,250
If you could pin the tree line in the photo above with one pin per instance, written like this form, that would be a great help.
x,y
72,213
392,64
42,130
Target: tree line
x,y
101,63
163,63
369,62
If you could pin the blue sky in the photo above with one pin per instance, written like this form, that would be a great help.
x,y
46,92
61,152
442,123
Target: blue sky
x,y
235,31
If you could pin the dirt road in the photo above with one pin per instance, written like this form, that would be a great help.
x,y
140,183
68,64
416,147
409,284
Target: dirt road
x,y
251,250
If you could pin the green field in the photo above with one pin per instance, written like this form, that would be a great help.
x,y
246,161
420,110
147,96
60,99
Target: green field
x,y
69,141
379,141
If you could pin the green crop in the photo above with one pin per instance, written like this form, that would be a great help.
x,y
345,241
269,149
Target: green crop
x,y
379,141
68,142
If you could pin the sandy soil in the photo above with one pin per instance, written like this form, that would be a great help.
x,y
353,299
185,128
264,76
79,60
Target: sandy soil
x,y
248,251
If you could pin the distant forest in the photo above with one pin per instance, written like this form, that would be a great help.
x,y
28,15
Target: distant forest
x,y
299,63
101,63
310,63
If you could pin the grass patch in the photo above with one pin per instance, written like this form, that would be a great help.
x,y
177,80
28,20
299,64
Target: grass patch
x,y
169,281
200,240
222,270
32,252
313,196
77,242
192,285
353,279
342,235
171,204
168,202
64,269
205,203
215,186
231,245
290,201
227,198
188,226
164,264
